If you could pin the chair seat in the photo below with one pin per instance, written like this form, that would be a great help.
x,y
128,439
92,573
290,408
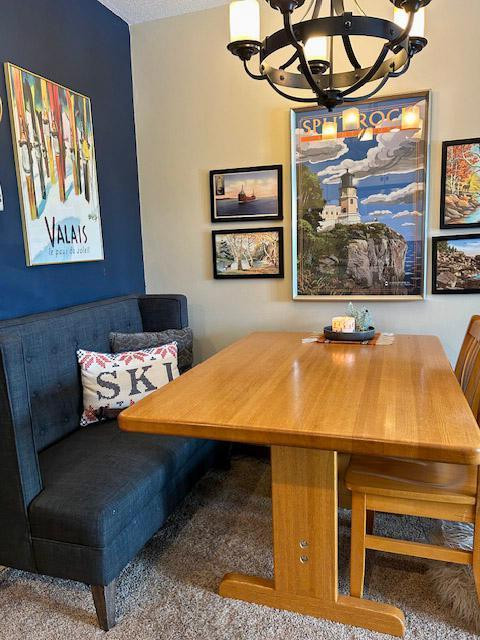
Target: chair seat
x,y
97,479
413,479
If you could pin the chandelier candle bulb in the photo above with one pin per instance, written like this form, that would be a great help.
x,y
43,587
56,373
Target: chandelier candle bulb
x,y
329,131
244,20
343,324
400,17
316,48
351,119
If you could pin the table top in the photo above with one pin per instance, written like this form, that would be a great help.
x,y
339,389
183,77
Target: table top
x,y
269,388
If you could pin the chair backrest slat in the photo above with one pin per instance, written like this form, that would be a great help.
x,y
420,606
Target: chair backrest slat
x,y
467,369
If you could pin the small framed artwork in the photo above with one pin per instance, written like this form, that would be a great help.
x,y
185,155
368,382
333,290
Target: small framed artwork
x,y
456,264
248,253
460,199
241,195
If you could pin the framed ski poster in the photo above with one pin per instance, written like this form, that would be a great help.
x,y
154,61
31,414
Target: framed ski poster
x,y
54,150
360,199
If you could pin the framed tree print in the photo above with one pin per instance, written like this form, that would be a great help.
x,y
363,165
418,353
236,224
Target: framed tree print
x,y
360,199
54,149
456,264
247,195
248,253
460,195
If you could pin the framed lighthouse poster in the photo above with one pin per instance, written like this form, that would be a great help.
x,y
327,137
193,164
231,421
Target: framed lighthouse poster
x,y
359,179
54,149
246,195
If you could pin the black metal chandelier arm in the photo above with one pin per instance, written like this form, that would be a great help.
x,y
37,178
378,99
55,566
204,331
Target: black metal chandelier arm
x,y
347,44
251,74
370,73
289,97
301,56
380,85
404,69
289,62
317,8
338,7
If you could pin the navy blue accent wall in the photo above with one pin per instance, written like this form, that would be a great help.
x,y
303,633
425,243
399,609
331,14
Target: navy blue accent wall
x,y
82,45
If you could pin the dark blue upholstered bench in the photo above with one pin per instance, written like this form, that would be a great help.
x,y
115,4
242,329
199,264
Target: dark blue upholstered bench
x,y
79,503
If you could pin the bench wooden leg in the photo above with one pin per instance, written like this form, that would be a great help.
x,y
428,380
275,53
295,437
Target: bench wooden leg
x,y
104,600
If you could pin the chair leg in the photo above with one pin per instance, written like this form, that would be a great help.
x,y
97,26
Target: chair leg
x,y
104,600
476,544
357,548
370,523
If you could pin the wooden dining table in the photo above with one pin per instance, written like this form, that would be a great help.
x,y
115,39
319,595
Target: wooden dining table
x,y
308,401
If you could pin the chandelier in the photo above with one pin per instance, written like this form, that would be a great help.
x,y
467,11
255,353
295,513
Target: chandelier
x,y
312,41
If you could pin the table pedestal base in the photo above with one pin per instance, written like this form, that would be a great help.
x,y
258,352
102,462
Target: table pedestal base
x,y
375,616
304,499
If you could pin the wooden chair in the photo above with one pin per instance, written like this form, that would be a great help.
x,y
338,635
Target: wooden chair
x,y
416,488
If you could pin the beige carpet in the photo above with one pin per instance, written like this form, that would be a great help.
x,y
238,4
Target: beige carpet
x,y
169,591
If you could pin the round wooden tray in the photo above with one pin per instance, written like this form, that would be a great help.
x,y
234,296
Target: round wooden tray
x,y
354,336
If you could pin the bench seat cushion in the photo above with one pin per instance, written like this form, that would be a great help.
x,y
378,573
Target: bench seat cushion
x,y
98,478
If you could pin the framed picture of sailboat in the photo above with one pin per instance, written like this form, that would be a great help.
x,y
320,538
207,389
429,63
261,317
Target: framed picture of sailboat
x,y
248,194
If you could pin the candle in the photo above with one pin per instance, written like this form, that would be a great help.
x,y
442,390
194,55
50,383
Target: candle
x,y
343,324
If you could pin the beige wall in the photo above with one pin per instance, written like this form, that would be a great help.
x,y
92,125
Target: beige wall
x,y
196,110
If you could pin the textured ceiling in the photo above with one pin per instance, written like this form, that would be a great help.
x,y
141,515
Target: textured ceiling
x,y
135,11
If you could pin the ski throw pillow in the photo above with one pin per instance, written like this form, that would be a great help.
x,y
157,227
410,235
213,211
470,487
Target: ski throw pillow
x,y
113,382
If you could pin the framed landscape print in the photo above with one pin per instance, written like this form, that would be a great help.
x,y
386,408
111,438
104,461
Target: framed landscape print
x,y
246,195
360,199
54,150
456,264
248,253
460,199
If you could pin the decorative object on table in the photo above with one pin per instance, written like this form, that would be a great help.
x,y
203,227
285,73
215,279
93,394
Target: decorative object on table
x,y
307,46
254,193
456,264
359,206
361,315
357,326
120,342
248,253
113,382
460,199
54,149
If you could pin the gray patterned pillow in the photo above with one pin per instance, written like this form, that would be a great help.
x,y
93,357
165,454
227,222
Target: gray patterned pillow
x,y
120,342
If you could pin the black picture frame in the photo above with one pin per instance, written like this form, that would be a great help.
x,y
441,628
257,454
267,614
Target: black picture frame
x,y
435,241
222,276
215,217
443,190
